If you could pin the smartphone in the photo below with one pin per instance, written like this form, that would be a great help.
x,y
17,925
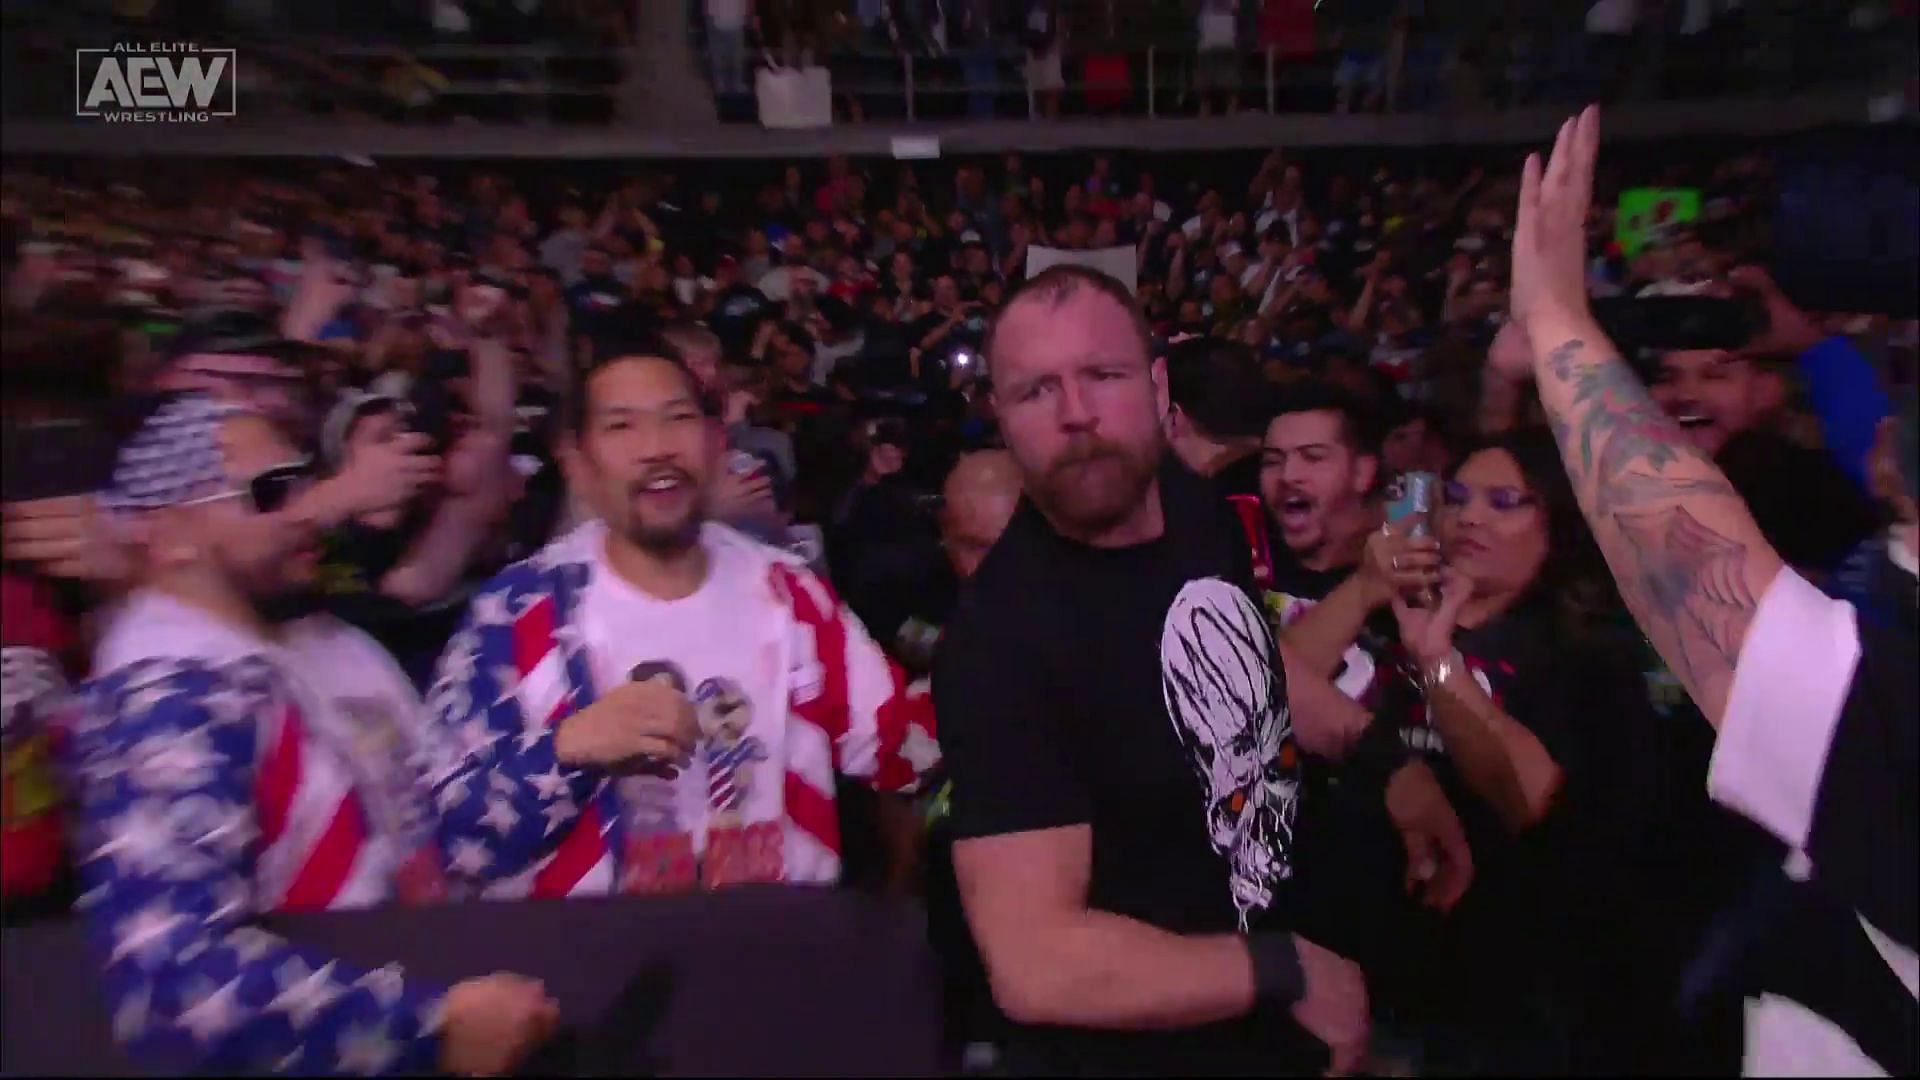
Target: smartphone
x,y
432,403
1410,497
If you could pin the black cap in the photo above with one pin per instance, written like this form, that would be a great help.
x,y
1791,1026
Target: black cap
x,y
233,332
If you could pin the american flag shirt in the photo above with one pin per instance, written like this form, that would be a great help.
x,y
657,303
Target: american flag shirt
x,y
516,821
209,792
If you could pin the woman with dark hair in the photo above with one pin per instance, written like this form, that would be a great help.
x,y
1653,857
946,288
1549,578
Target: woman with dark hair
x,y
1512,681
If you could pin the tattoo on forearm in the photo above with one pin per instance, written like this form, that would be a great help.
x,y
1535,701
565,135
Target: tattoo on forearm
x,y
1686,583
1638,488
1691,586
1618,431
1560,360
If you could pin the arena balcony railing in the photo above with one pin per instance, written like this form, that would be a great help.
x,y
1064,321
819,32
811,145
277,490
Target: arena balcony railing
x,y
406,72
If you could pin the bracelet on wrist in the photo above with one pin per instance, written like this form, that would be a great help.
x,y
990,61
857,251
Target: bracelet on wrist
x,y
1435,675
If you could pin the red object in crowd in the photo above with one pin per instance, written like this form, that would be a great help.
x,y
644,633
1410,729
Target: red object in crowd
x,y
1253,520
31,846
850,290
1109,80
1286,26
826,198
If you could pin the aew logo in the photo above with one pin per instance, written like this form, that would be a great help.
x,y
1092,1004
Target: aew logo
x,y
154,83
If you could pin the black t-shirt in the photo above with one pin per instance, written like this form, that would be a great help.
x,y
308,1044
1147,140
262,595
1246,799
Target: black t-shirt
x,y
354,560
1242,477
1547,906
885,552
1808,509
1352,863
968,333
1133,690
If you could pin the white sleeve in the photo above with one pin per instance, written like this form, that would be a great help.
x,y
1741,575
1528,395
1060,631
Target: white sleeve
x,y
1789,685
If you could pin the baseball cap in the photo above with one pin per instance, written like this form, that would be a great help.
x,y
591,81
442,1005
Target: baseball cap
x,y
345,414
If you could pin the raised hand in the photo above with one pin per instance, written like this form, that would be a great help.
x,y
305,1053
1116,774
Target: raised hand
x,y
742,496
1427,633
1550,232
65,537
386,475
1398,563
1790,330
1510,357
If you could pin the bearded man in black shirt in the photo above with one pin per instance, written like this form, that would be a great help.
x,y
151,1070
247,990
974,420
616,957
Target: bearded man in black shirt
x,y
1116,726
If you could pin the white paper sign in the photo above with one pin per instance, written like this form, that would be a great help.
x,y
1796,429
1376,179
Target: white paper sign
x,y
795,99
916,147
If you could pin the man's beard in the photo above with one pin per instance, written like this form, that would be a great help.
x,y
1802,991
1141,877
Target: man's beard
x,y
1095,484
663,540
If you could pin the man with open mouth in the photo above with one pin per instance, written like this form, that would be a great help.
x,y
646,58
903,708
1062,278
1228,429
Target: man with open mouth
x,y
568,760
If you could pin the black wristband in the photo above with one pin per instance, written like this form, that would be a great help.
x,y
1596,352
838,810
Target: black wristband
x,y
1277,979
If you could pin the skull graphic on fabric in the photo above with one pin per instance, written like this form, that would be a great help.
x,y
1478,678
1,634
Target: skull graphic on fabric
x,y
1229,710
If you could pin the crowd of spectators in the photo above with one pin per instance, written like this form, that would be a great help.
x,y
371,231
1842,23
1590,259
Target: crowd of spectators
x,y
603,61
985,58
421,338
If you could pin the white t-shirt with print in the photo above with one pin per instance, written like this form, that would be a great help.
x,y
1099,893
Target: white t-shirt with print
x,y
364,717
727,648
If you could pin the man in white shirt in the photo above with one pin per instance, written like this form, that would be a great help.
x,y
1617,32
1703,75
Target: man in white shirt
x,y
727,45
656,702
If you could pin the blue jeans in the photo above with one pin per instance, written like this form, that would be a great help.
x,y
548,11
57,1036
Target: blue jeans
x,y
727,59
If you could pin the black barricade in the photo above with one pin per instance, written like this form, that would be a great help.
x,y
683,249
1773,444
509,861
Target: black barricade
x,y
753,981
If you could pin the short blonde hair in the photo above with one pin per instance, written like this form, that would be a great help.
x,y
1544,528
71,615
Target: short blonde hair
x,y
1055,285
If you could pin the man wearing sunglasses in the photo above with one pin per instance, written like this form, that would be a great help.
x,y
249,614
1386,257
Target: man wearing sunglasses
x,y
240,359
230,763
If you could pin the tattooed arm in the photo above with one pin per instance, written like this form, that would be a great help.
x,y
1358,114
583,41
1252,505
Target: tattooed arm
x,y
1688,557
1686,553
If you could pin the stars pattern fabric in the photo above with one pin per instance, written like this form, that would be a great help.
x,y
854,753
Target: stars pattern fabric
x,y
516,821
30,680
168,841
175,456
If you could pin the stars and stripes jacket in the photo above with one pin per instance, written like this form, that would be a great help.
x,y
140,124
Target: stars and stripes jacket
x,y
206,796
516,821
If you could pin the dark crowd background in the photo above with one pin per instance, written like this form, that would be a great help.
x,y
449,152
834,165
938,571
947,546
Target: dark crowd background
x,y
836,311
